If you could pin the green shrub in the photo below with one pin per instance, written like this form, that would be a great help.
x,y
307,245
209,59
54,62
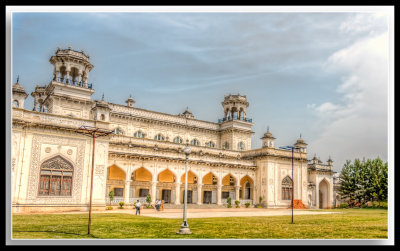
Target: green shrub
x,y
237,202
148,199
247,204
121,204
110,208
229,201
344,205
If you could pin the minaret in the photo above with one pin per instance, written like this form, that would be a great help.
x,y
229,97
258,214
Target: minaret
x,y
268,139
18,95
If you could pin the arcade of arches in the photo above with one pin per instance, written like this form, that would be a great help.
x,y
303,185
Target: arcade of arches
x,y
166,186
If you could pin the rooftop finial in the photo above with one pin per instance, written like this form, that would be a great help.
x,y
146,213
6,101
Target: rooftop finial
x,y
102,97
17,78
267,128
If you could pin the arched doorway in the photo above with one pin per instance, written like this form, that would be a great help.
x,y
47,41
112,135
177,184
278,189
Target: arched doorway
x,y
246,188
228,187
209,182
166,186
140,183
116,182
323,194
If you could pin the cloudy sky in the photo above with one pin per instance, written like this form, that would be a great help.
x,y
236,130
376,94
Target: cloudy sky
x,y
323,74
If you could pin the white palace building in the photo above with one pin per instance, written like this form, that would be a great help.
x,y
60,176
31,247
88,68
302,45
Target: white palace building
x,y
52,167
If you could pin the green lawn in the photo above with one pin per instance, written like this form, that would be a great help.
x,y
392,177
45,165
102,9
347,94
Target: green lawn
x,y
349,224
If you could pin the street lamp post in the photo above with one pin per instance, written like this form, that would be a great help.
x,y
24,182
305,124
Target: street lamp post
x,y
292,148
92,132
185,227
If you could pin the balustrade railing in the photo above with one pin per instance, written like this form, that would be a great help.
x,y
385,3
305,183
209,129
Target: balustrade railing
x,y
71,82
235,118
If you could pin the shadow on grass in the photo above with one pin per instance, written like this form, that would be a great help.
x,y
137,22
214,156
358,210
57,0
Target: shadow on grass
x,y
55,232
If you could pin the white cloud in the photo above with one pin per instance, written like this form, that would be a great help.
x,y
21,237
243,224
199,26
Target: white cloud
x,y
356,127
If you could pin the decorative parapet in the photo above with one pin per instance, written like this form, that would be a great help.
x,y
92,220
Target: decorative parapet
x,y
49,119
274,152
142,113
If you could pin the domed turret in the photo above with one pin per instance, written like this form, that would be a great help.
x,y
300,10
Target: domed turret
x,y
300,143
18,94
130,101
268,139
235,107
187,114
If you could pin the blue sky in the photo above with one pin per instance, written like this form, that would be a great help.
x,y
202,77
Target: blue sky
x,y
320,74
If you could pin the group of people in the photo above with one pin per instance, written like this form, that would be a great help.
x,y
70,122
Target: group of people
x,y
159,205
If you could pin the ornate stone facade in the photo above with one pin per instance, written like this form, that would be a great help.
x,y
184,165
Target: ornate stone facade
x,y
144,155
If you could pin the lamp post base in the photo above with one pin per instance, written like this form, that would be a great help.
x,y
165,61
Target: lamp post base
x,y
184,229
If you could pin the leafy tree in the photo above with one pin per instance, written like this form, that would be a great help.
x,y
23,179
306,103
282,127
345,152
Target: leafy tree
x,y
364,181
148,199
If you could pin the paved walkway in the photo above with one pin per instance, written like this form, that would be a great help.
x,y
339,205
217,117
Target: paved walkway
x,y
210,213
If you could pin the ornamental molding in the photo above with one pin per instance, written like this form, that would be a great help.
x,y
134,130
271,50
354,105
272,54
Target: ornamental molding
x,y
34,172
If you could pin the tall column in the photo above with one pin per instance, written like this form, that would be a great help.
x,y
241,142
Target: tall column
x,y
126,191
153,190
237,188
199,192
219,191
178,193
67,76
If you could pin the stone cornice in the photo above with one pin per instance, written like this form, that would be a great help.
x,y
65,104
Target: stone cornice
x,y
141,157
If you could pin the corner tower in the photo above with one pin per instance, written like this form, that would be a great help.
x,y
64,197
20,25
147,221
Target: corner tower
x,y
235,126
69,91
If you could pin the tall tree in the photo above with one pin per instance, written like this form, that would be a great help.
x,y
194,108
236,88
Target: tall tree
x,y
364,181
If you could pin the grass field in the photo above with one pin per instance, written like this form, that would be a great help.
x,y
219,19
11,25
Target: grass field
x,y
349,224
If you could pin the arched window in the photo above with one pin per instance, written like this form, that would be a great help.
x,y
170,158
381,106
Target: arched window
x,y
138,134
102,117
210,144
15,103
241,146
195,142
56,177
287,188
226,145
118,131
159,137
178,140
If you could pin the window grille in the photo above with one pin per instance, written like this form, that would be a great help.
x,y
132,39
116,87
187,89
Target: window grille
x,y
138,134
178,140
56,177
287,188
195,142
159,137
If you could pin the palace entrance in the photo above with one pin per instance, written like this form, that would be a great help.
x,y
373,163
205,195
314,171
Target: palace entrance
x,y
207,197
189,196
166,195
